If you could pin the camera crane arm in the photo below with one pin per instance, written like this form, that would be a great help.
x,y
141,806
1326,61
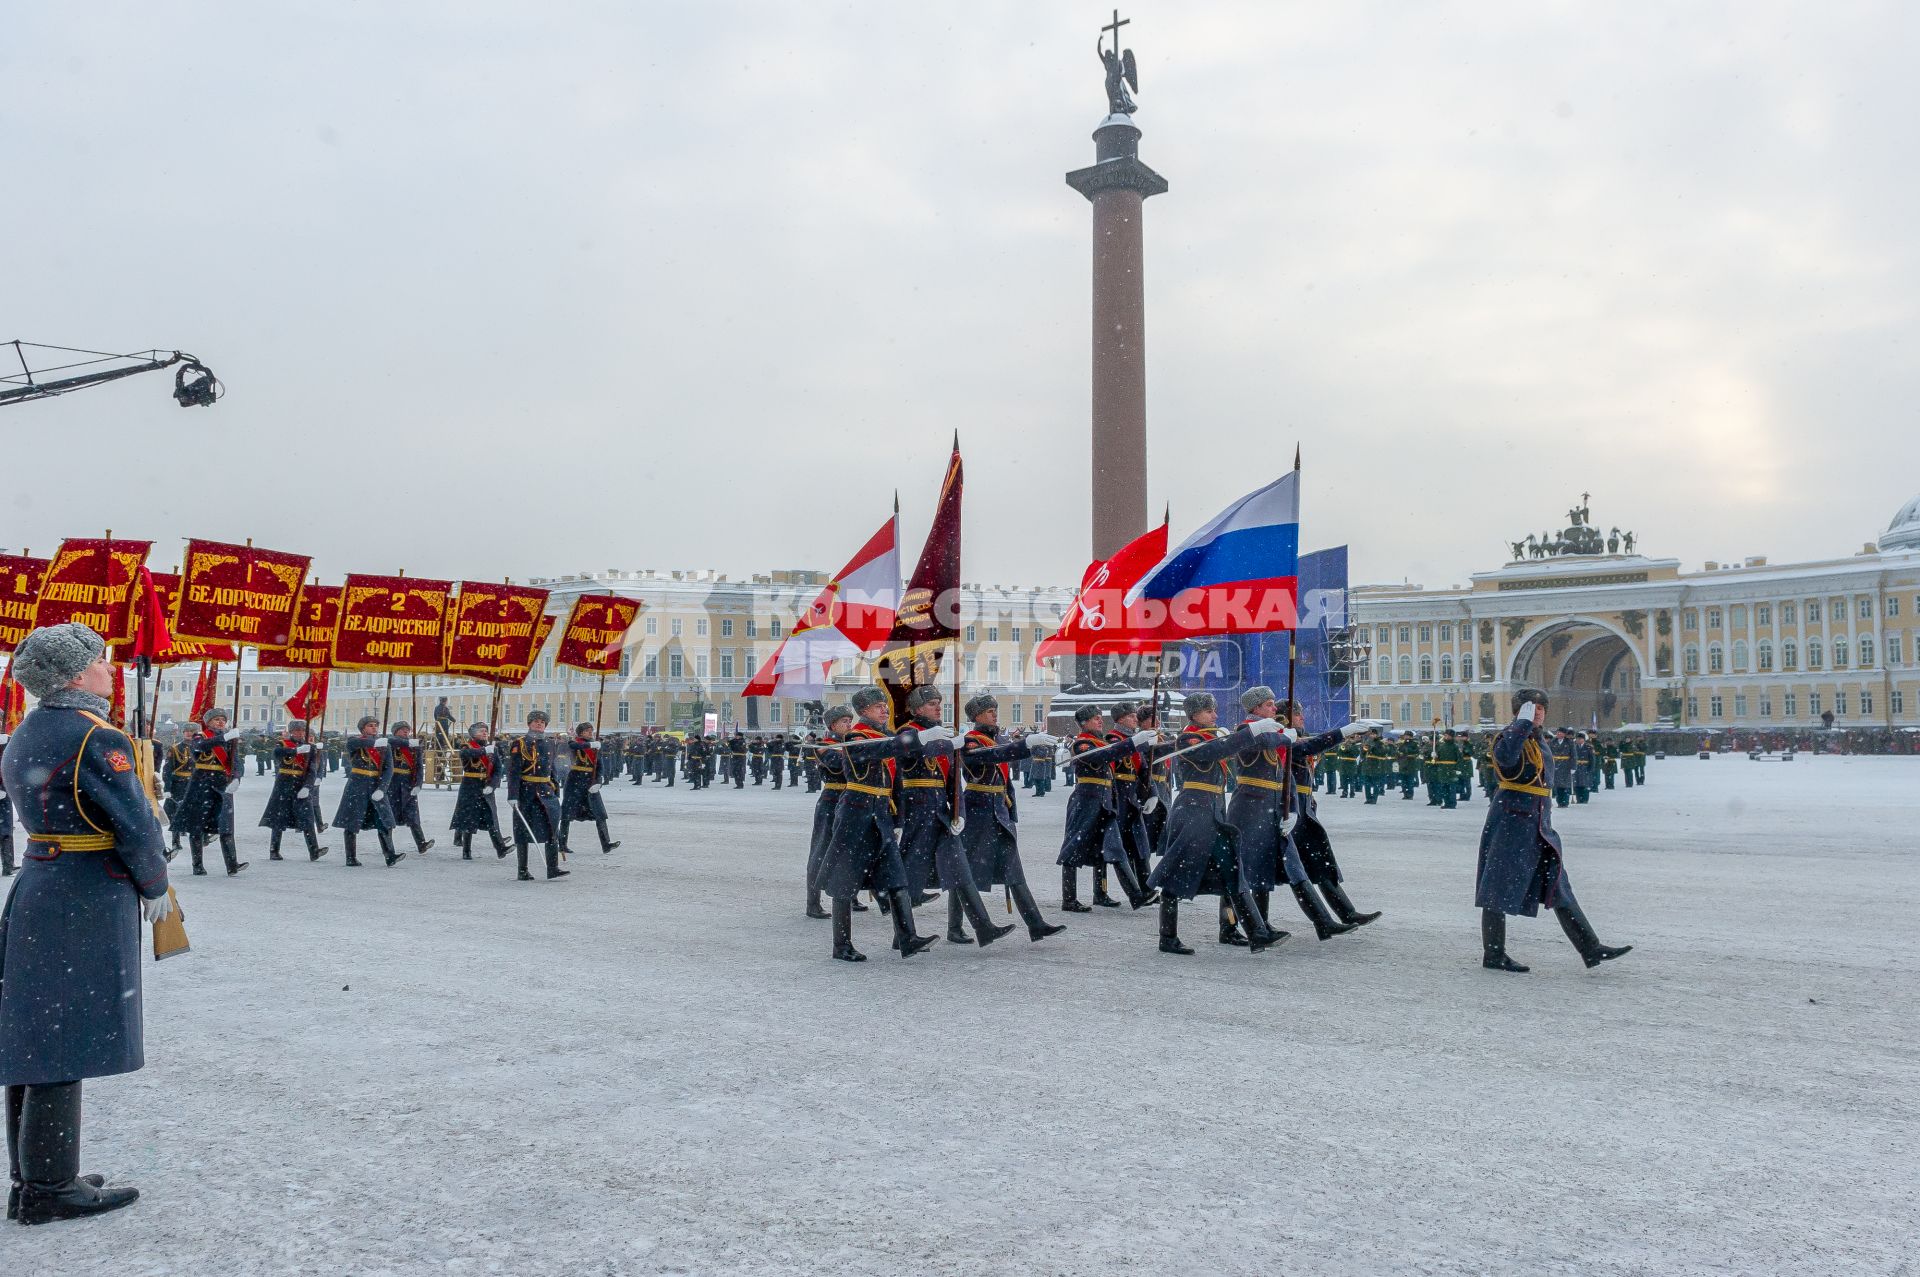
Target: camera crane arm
x,y
194,384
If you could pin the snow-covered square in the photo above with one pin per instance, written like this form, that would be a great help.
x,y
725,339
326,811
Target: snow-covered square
x,y
653,1066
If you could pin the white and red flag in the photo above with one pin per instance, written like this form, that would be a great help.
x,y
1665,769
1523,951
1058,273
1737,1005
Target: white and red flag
x,y
852,616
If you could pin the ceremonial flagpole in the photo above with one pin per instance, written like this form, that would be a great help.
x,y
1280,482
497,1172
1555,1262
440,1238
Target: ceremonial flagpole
x,y
1292,636
386,704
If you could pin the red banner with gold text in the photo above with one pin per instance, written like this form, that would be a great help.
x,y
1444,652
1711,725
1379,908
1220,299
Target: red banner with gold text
x,y
20,577
239,594
494,627
596,631
313,628
91,580
395,623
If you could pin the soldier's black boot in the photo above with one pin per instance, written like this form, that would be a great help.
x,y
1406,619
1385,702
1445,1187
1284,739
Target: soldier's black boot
x,y
1070,891
607,843
843,931
16,1099
1170,927
904,937
521,848
386,847
51,1186
1260,934
500,847
814,909
197,847
553,862
1137,896
1574,922
231,854
314,849
1038,928
1325,925
969,900
1100,896
956,934
1493,942
1337,898
1229,927
463,839
353,862
273,847
421,842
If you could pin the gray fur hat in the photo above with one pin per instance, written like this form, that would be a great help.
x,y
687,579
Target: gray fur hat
x,y
366,721
836,713
1258,694
1084,713
398,725
978,705
474,729
538,716
922,696
866,697
54,655
1199,703
1123,708
1526,694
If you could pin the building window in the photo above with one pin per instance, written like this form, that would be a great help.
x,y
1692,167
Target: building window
x,y
700,665
1713,618
1426,669
993,669
993,634
1716,659
1866,609
1018,707
674,627
1466,668
1739,704
726,665
676,666
1898,700
726,627
753,628
1815,657
1839,703
246,713
1789,655
1406,634
1446,669
1764,652
1866,703
1813,611
1690,619
1384,634
649,714
1866,651
1763,614
1691,659
1813,704
773,627
653,625
1893,605
1841,654
1446,632
1016,638
1406,711
1693,707
1893,649
1426,632
1386,669
1739,656
1836,608
700,627
650,668
1791,703
1713,705
622,713
1766,706
1406,669
773,712
1786,614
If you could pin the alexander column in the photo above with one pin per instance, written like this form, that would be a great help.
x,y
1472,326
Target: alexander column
x,y
1117,186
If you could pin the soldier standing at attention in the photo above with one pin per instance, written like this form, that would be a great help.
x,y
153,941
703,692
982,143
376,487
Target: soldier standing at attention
x,y
1407,755
582,799
1446,770
531,789
1562,749
291,805
1520,866
443,725
1376,766
1609,760
737,759
757,759
70,935
696,762
207,809
1583,767
409,769
473,809
363,801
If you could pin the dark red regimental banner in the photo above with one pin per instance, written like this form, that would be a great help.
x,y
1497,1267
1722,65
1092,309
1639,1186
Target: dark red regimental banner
x,y
596,631
516,675
395,623
314,623
239,594
91,580
20,578
494,627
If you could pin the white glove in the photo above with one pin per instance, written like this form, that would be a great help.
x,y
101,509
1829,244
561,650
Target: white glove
x,y
1145,737
379,795
593,789
1287,823
157,908
1526,713
303,793
1151,805
304,749
233,733
3,738
1358,727
935,734
1264,727
379,742
1037,741
233,786
1291,735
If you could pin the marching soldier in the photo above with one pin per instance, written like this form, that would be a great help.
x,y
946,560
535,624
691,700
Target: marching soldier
x,y
793,759
810,761
1132,790
1309,839
862,852
473,809
838,719
363,801
291,805
582,799
696,762
930,849
409,769
776,761
1041,768
737,759
70,1006
1262,825
757,759
990,836
1091,839
1562,748
531,789
1520,865
1156,782
1199,856
179,773
207,809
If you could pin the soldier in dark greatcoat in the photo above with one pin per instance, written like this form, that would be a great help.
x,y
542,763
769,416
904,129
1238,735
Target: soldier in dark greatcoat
x,y
757,759
291,805
737,759
838,719
862,852
1520,865
1560,749
810,762
207,810
1263,825
6,813
1132,790
178,771
582,800
991,834
1583,766
535,797
1092,838
929,846
1041,769
363,799
473,808
95,863
1198,856
1310,841
793,759
409,770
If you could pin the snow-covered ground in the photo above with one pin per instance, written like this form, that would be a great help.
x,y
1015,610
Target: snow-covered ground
x,y
653,1066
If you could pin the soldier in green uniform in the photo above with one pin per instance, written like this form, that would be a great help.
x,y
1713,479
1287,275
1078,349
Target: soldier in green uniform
x,y
1375,763
1633,761
1407,764
1609,760
1446,770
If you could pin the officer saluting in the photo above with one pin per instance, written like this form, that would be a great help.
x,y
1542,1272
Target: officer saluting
x,y
70,934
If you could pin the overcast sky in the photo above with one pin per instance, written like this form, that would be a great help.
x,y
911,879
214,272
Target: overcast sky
x,y
516,290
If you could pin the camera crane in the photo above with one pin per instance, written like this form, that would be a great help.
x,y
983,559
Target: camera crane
x,y
194,385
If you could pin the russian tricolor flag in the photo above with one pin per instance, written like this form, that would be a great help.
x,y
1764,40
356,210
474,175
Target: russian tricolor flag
x,y
1231,570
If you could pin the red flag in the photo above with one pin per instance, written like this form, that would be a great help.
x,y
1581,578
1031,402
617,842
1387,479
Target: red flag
x,y
1096,620
596,630
310,700
20,578
150,637
92,581
238,594
203,692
